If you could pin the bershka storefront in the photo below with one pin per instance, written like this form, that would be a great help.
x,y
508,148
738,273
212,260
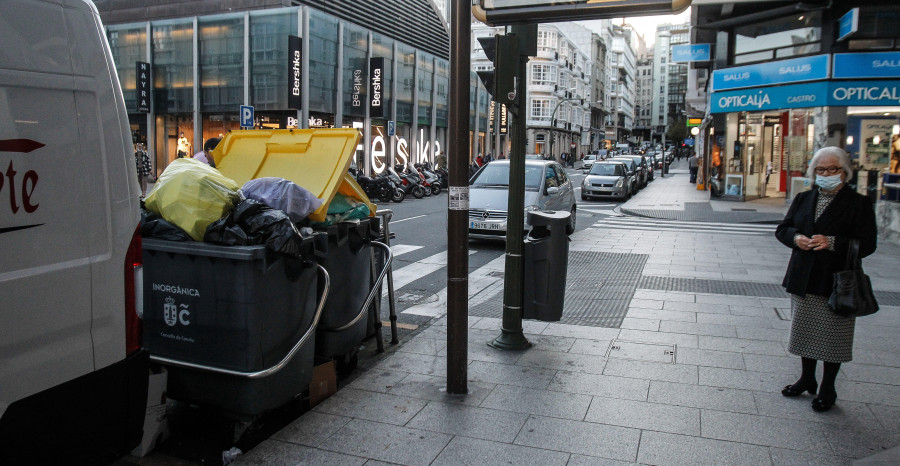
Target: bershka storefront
x,y
777,114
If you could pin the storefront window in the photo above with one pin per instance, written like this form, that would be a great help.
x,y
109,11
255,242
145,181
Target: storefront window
x,y
322,62
128,44
442,92
767,41
406,66
173,83
269,31
221,73
383,47
424,76
355,75
173,63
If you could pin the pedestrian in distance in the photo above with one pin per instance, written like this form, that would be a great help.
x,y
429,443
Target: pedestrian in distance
x,y
818,228
694,165
142,164
479,160
205,155
768,172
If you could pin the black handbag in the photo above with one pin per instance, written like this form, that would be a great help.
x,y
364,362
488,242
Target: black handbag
x,y
852,295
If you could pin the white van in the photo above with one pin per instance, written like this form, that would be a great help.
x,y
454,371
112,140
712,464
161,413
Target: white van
x,y
73,375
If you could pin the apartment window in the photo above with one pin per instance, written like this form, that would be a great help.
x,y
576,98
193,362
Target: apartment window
x,y
543,74
540,109
546,40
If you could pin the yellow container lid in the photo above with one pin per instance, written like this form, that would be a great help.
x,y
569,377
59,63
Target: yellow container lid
x,y
315,159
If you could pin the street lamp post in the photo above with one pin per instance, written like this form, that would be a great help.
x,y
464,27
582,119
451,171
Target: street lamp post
x,y
553,121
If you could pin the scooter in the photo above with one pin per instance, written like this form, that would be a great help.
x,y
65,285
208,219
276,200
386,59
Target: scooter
x,y
409,183
431,179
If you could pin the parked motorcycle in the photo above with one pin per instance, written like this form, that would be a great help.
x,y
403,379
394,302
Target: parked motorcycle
x,y
409,183
432,180
379,187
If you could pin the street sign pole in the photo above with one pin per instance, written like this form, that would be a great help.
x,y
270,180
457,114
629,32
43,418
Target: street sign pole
x,y
512,336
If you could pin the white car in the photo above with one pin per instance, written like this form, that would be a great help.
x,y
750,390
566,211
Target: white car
x,y
588,161
547,187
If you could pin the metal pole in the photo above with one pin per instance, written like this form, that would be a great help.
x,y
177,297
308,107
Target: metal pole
x,y
511,334
458,213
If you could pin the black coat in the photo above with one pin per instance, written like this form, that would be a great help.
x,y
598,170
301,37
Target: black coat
x,y
850,215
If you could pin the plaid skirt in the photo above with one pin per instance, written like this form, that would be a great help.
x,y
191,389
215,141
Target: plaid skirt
x,y
818,333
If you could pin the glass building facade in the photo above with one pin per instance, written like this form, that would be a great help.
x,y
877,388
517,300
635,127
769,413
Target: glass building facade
x,y
203,68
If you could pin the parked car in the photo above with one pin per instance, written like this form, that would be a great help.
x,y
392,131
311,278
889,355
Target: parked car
x,y
644,168
73,372
588,161
639,173
608,179
547,187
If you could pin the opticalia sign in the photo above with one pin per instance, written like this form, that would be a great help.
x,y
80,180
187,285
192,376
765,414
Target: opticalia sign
x,y
820,94
777,72
864,93
752,100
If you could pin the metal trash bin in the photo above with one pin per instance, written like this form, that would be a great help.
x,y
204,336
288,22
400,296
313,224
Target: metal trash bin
x,y
348,258
546,256
232,324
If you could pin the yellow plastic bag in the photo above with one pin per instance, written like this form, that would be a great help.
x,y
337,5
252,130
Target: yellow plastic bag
x,y
191,195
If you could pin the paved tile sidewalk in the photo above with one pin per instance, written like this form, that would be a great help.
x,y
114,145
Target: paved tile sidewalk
x,y
674,197
596,395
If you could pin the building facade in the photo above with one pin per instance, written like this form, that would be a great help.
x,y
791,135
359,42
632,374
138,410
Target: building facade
x,y
786,81
671,78
620,85
643,108
187,68
557,113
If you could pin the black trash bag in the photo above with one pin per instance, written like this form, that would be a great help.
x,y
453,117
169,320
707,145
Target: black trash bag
x,y
224,232
154,226
265,225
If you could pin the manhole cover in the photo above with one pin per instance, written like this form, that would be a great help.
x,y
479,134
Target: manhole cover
x,y
651,352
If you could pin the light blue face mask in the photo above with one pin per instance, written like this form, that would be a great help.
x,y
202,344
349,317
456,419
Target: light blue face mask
x,y
828,183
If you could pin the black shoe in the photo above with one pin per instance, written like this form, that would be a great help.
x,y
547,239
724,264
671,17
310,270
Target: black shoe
x,y
798,388
824,402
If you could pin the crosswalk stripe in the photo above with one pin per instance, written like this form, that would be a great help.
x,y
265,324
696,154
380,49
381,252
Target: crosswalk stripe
x,y
407,274
689,223
484,283
400,249
698,227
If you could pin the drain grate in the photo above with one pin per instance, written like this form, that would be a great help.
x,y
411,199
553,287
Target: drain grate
x,y
650,352
699,285
599,287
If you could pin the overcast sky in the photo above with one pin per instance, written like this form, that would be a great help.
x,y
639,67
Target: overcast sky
x,y
646,25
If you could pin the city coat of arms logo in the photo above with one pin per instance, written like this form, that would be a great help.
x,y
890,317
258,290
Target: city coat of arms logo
x,y
170,312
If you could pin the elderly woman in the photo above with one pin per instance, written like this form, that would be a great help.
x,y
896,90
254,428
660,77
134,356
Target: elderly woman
x,y
818,228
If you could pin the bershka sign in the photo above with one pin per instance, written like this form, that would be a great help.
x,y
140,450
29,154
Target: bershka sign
x,y
295,72
142,84
358,86
376,81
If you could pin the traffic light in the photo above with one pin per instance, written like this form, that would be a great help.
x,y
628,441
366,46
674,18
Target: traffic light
x,y
503,51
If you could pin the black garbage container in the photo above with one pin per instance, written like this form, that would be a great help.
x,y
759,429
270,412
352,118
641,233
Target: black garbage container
x,y
348,259
235,308
546,256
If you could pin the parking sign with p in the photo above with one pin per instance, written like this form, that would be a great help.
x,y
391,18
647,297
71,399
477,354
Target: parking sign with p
x,y
246,116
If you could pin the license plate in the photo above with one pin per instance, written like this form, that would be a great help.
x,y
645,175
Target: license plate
x,y
500,226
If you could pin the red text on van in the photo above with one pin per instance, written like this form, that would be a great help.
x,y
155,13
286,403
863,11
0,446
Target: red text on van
x,y
24,186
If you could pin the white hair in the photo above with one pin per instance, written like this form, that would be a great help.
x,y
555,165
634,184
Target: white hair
x,y
832,151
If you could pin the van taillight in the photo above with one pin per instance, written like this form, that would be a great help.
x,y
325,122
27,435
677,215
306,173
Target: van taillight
x,y
134,291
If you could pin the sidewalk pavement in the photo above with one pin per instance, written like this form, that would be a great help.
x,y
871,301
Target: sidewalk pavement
x,y
682,201
690,375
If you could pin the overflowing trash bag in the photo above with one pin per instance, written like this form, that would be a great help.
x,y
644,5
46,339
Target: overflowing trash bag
x,y
191,195
253,222
154,226
284,195
344,208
